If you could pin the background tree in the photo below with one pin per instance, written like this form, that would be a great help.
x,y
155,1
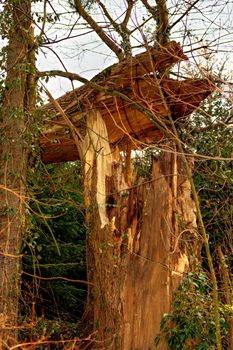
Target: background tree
x,y
18,99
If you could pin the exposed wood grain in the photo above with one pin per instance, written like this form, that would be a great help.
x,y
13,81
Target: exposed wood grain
x,y
135,78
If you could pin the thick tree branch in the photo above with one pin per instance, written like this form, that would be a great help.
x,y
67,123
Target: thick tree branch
x,y
121,29
99,31
151,9
162,30
115,25
128,13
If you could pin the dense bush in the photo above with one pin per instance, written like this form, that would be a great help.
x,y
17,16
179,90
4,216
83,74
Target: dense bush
x,y
54,245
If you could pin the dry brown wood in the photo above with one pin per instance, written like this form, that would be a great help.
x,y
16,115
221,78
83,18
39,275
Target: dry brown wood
x,y
136,79
124,123
142,255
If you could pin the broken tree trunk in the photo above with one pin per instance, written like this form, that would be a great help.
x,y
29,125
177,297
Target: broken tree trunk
x,y
137,247
137,244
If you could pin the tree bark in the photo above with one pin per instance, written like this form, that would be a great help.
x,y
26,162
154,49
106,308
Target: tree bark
x,y
18,102
137,261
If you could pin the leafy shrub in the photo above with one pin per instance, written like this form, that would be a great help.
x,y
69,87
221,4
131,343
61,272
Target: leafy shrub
x,y
191,325
55,244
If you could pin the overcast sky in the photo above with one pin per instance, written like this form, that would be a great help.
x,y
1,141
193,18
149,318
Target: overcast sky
x,y
210,21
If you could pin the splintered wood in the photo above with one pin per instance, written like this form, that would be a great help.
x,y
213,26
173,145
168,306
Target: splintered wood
x,y
138,81
143,254
96,149
138,225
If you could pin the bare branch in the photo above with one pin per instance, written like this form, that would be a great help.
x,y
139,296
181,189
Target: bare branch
x,y
184,14
99,31
121,29
75,133
151,9
115,25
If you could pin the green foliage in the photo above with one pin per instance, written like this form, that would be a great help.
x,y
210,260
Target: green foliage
x,y
143,162
213,175
53,331
192,325
54,245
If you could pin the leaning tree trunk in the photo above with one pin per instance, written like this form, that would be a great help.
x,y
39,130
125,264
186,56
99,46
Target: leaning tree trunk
x,y
137,248
15,118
